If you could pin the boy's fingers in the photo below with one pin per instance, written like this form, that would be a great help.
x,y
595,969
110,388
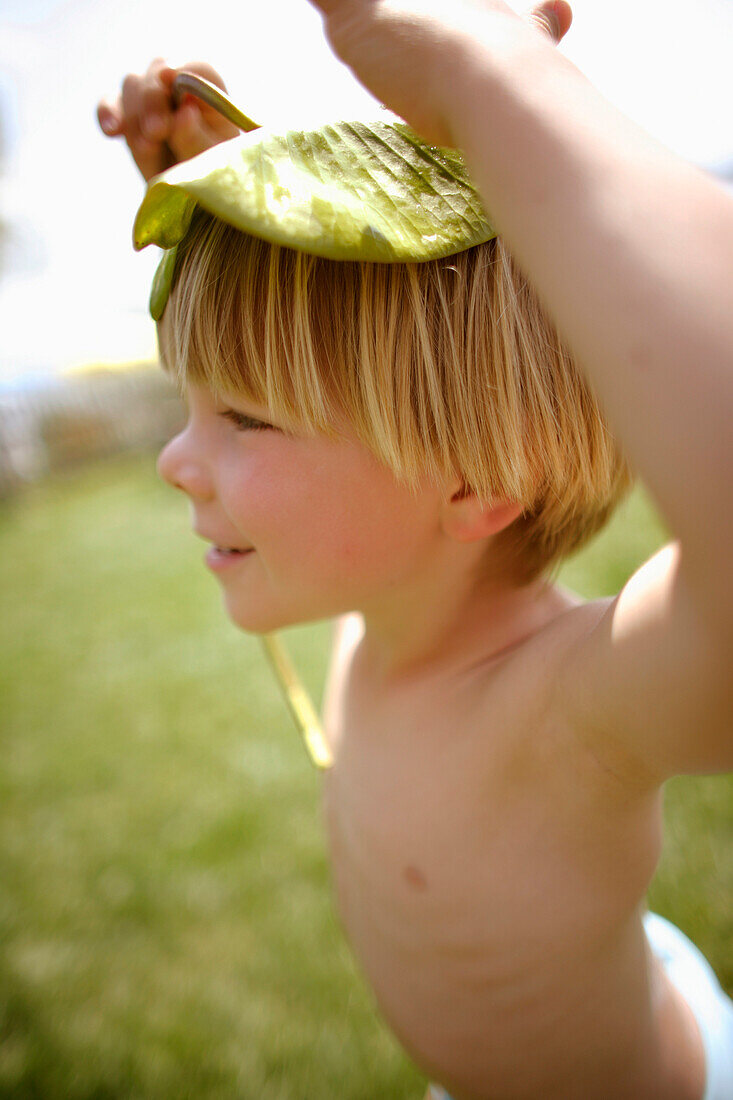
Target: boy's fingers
x,y
190,134
155,105
150,154
166,75
158,131
187,137
130,103
109,119
208,118
151,157
553,17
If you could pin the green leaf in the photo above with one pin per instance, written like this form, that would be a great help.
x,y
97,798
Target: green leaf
x,y
162,282
348,191
168,213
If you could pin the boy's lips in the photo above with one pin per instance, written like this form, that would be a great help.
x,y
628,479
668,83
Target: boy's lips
x,y
221,544
223,557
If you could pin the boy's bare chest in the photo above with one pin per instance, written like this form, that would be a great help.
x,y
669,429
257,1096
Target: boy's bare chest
x,y
477,868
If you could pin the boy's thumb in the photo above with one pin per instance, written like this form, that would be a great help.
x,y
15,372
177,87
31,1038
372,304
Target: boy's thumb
x,y
553,17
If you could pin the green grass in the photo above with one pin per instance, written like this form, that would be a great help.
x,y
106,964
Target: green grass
x,y
166,927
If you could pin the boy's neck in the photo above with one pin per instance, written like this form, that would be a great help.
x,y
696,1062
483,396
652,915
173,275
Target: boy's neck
x,y
453,624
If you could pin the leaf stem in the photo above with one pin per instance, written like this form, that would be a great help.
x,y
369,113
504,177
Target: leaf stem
x,y
214,97
301,708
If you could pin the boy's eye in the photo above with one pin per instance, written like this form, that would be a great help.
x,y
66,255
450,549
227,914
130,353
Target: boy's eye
x,y
245,423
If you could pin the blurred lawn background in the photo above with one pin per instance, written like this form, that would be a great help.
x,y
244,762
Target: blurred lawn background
x,y
165,915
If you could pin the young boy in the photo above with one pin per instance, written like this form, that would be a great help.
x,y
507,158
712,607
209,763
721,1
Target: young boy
x,y
428,447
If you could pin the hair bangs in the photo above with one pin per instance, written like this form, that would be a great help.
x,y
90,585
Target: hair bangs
x,y
236,321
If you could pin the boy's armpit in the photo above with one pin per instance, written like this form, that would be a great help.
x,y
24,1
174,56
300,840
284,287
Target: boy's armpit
x,y
649,683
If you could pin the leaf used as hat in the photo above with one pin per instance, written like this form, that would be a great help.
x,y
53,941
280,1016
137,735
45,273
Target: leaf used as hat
x,y
370,191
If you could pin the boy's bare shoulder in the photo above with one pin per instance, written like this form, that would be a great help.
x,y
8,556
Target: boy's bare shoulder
x,y
566,620
525,685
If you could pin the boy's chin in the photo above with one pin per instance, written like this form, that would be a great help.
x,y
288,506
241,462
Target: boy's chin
x,y
265,620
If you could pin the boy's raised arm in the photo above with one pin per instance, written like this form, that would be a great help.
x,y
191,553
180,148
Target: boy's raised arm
x,y
631,250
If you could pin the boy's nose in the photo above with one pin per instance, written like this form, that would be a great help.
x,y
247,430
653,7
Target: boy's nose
x,y
180,468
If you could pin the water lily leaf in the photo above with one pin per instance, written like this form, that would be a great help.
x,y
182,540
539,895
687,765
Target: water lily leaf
x,y
162,283
168,213
370,191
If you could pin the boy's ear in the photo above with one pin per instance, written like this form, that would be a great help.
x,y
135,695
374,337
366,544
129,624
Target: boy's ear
x,y
466,518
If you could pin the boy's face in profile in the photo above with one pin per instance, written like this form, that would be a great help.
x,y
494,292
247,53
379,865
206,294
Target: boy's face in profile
x,y
323,527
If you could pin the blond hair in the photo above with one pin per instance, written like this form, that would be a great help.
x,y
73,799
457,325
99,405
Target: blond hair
x,y
444,368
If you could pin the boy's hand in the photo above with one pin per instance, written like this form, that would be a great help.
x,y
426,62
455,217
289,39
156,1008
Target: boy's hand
x,y
408,54
158,132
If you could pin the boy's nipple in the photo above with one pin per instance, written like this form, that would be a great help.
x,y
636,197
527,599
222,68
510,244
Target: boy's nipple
x,y
415,878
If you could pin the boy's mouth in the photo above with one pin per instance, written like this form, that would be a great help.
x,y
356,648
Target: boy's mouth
x,y
219,557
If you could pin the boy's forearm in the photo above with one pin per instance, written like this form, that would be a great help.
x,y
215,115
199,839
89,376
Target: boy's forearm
x,y
631,251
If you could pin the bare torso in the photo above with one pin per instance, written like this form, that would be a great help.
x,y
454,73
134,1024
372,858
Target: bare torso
x,y
490,872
